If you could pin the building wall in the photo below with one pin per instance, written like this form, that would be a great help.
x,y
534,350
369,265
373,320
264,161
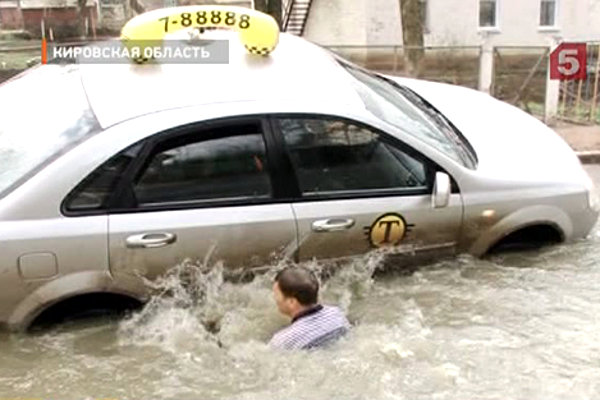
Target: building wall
x,y
383,22
338,22
154,4
518,23
10,18
63,21
583,21
449,22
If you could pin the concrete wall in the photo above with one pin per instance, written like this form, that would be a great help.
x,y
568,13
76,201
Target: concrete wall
x,y
449,22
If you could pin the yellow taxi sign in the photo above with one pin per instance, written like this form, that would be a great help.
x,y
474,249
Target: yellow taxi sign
x,y
258,31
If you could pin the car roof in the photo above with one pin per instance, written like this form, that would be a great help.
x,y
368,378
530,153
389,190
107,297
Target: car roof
x,y
296,71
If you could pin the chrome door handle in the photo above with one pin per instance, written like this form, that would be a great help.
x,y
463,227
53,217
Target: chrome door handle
x,y
150,240
332,224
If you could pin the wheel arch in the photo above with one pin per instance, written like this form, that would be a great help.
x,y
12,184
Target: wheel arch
x,y
67,287
528,217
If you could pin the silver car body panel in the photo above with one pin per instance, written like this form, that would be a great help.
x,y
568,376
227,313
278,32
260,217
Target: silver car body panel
x,y
79,246
426,226
242,236
512,186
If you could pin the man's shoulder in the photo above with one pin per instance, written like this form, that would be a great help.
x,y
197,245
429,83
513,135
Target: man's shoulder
x,y
332,311
312,329
328,318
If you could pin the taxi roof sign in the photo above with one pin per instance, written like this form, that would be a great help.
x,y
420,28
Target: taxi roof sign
x,y
258,31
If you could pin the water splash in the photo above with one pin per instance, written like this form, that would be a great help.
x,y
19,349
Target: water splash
x,y
204,304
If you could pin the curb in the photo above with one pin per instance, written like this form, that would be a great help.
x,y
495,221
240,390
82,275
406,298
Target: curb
x,y
589,157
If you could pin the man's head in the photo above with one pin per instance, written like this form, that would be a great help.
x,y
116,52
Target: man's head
x,y
295,289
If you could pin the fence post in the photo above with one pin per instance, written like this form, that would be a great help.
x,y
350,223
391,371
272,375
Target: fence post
x,y
552,89
486,65
595,92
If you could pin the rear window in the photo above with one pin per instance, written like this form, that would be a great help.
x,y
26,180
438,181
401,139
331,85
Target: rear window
x,y
44,114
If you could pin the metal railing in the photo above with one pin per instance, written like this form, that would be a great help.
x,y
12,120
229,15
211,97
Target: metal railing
x,y
286,7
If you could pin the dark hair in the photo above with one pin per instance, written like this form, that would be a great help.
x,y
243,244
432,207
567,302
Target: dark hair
x,y
299,283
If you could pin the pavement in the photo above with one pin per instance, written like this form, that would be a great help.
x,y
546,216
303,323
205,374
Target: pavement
x,y
584,139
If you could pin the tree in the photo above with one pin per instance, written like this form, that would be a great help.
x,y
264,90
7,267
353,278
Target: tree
x,y
412,33
20,14
271,7
81,5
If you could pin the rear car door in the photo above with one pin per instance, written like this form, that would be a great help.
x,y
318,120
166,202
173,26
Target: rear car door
x,y
198,191
360,189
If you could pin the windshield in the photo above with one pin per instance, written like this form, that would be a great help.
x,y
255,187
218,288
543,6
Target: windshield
x,y
403,108
43,113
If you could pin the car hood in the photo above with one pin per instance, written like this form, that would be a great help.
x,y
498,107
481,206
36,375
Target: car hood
x,y
508,141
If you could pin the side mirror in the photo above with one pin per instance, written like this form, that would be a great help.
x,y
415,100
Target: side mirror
x,y
441,190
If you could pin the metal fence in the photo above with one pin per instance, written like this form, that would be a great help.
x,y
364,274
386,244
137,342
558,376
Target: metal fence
x,y
520,77
580,100
457,65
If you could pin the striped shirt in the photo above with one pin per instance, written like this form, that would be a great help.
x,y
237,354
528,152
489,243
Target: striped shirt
x,y
315,327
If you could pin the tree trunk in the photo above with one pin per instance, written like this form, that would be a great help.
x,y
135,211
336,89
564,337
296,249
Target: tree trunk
x,y
138,7
412,34
275,11
261,5
271,7
20,13
82,15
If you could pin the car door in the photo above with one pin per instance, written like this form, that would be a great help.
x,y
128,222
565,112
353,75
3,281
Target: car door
x,y
360,189
196,192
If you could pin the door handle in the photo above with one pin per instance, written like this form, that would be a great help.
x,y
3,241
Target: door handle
x,y
332,224
150,240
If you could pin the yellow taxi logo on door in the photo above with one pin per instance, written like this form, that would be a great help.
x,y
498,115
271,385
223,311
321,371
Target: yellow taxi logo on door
x,y
387,230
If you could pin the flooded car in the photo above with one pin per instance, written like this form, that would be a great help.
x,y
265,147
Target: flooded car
x,y
112,174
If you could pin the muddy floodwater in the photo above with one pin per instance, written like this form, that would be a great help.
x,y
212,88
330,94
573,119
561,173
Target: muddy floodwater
x,y
515,326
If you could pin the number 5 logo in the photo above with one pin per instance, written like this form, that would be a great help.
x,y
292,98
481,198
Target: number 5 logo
x,y
569,62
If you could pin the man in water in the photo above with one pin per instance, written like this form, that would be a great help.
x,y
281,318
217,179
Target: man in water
x,y
296,292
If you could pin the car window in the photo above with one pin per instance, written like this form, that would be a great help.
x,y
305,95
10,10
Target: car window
x,y
220,164
93,193
333,155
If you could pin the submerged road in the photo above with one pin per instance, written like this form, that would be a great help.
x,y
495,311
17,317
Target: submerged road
x,y
515,326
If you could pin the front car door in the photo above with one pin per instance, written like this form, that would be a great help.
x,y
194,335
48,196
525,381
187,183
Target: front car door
x,y
195,192
360,189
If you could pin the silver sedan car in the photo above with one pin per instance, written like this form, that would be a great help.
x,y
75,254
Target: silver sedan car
x,y
110,174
